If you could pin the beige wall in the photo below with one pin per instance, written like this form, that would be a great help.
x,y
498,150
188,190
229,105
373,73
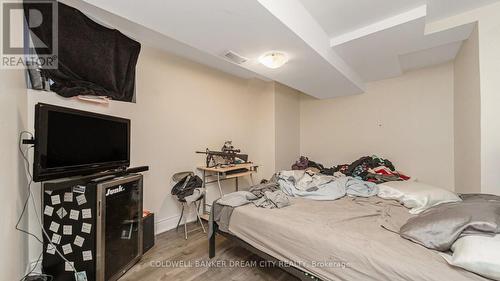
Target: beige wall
x,y
183,107
287,114
467,117
408,120
489,64
13,191
489,59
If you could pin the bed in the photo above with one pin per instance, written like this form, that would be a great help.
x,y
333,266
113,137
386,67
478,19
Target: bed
x,y
346,239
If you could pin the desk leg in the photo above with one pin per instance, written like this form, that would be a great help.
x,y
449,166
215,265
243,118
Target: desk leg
x,y
237,184
251,179
218,183
204,202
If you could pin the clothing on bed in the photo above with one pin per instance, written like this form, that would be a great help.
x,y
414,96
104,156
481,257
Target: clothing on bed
x,y
271,200
311,186
220,214
303,184
368,168
259,189
236,199
268,199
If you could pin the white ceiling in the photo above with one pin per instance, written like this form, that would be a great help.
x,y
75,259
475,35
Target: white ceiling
x,y
341,16
335,46
390,52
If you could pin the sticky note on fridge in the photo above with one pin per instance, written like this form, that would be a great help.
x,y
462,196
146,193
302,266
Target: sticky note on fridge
x,y
56,238
79,241
56,199
74,215
86,213
81,276
48,210
86,227
67,249
61,212
51,249
67,230
79,189
80,199
68,197
87,255
68,266
54,226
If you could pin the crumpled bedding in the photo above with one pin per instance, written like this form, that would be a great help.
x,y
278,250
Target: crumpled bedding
x,y
299,183
271,200
439,227
342,240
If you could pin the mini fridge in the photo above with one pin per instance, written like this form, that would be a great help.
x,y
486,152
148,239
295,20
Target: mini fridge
x,y
95,224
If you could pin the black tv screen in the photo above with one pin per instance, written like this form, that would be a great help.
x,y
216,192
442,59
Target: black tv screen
x,y
72,142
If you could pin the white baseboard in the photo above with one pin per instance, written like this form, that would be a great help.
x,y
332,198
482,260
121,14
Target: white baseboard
x,y
171,222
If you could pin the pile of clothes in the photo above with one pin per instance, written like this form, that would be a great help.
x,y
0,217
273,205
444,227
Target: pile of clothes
x,y
316,186
369,168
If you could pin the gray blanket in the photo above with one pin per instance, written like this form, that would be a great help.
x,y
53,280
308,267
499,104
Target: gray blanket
x,y
439,227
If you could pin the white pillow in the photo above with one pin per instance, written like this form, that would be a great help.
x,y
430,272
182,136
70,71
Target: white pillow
x,y
416,195
479,254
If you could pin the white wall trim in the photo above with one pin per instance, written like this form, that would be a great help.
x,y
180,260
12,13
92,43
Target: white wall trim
x,y
170,223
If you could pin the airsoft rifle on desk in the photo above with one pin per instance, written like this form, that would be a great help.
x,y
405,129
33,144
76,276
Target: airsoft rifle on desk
x,y
226,157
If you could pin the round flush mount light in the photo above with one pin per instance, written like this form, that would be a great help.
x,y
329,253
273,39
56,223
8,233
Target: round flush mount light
x,y
273,59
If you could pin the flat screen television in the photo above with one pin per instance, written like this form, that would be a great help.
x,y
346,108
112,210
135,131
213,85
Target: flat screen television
x,y
71,142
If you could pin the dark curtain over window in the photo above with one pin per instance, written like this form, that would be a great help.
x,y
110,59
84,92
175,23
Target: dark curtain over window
x,y
92,59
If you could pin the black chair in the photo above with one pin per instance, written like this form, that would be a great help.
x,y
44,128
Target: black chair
x,y
192,200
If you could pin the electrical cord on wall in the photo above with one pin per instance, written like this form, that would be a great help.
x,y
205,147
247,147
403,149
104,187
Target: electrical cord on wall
x,y
24,154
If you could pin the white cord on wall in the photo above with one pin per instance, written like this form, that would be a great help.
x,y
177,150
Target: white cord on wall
x,y
38,218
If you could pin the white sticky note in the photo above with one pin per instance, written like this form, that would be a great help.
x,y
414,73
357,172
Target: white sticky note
x,y
87,255
86,213
68,197
56,199
67,249
54,226
81,276
67,230
74,214
49,192
51,249
80,199
61,212
48,210
68,266
79,241
79,189
56,238
86,227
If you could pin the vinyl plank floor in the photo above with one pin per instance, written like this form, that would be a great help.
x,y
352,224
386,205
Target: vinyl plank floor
x,y
175,259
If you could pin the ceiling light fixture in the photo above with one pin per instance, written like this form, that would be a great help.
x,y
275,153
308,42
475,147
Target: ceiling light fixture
x,y
273,59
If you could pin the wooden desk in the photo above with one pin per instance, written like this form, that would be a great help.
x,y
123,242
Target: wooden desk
x,y
225,173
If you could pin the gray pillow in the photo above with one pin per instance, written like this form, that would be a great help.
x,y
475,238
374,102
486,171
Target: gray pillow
x,y
439,227
479,197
